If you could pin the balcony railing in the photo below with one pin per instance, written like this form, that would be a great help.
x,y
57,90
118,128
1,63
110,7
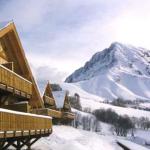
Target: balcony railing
x,y
48,100
23,123
68,115
48,112
15,81
67,106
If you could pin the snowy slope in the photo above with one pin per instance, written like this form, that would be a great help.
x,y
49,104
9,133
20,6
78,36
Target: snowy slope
x,y
118,71
65,137
94,102
72,88
144,105
142,137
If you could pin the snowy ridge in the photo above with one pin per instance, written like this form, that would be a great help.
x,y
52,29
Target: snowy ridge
x,y
94,102
72,88
119,71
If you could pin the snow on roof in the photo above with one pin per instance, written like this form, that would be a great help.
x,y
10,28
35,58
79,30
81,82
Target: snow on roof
x,y
4,24
59,97
22,113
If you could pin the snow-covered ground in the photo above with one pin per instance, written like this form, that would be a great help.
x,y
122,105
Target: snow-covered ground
x,y
145,105
65,137
94,102
73,88
142,137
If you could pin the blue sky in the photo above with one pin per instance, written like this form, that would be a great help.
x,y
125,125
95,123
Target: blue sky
x,y
59,36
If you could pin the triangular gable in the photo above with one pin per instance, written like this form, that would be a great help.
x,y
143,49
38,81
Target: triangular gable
x,y
50,103
66,101
48,91
10,41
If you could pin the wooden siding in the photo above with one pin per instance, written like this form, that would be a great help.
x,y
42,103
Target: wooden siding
x,y
22,107
68,115
22,122
67,106
3,58
13,52
11,79
48,100
48,112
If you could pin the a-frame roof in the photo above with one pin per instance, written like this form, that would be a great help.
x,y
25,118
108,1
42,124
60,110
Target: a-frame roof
x,y
48,91
4,24
15,53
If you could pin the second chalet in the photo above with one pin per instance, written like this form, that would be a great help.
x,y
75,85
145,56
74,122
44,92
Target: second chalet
x,y
56,105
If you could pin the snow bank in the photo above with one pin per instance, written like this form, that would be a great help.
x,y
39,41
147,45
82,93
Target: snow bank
x,y
64,137
145,105
94,102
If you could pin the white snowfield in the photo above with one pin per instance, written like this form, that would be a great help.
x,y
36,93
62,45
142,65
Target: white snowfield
x,y
119,71
73,88
68,138
142,137
95,102
145,105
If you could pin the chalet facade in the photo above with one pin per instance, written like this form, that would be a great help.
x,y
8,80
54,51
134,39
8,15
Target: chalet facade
x,y
19,92
63,105
25,116
60,102
56,105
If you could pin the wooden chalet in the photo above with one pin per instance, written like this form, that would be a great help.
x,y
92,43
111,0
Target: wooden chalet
x,y
50,105
63,105
56,105
18,92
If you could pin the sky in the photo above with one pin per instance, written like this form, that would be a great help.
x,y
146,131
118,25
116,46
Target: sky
x,y
59,36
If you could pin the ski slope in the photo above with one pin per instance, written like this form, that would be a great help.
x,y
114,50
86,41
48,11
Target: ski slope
x,y
94,102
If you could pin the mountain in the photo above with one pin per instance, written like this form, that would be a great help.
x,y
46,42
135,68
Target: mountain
x,y
120,71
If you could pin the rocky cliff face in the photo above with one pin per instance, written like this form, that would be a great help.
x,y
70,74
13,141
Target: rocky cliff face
x,y
117,71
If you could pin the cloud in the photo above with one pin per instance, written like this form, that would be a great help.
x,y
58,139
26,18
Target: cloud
x,y
26,14
46,73
60,36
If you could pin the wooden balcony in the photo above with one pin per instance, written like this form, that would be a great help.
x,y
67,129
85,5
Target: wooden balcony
x,y
67,106
48,100
48,112
21,107
68,115
15,124
12,82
